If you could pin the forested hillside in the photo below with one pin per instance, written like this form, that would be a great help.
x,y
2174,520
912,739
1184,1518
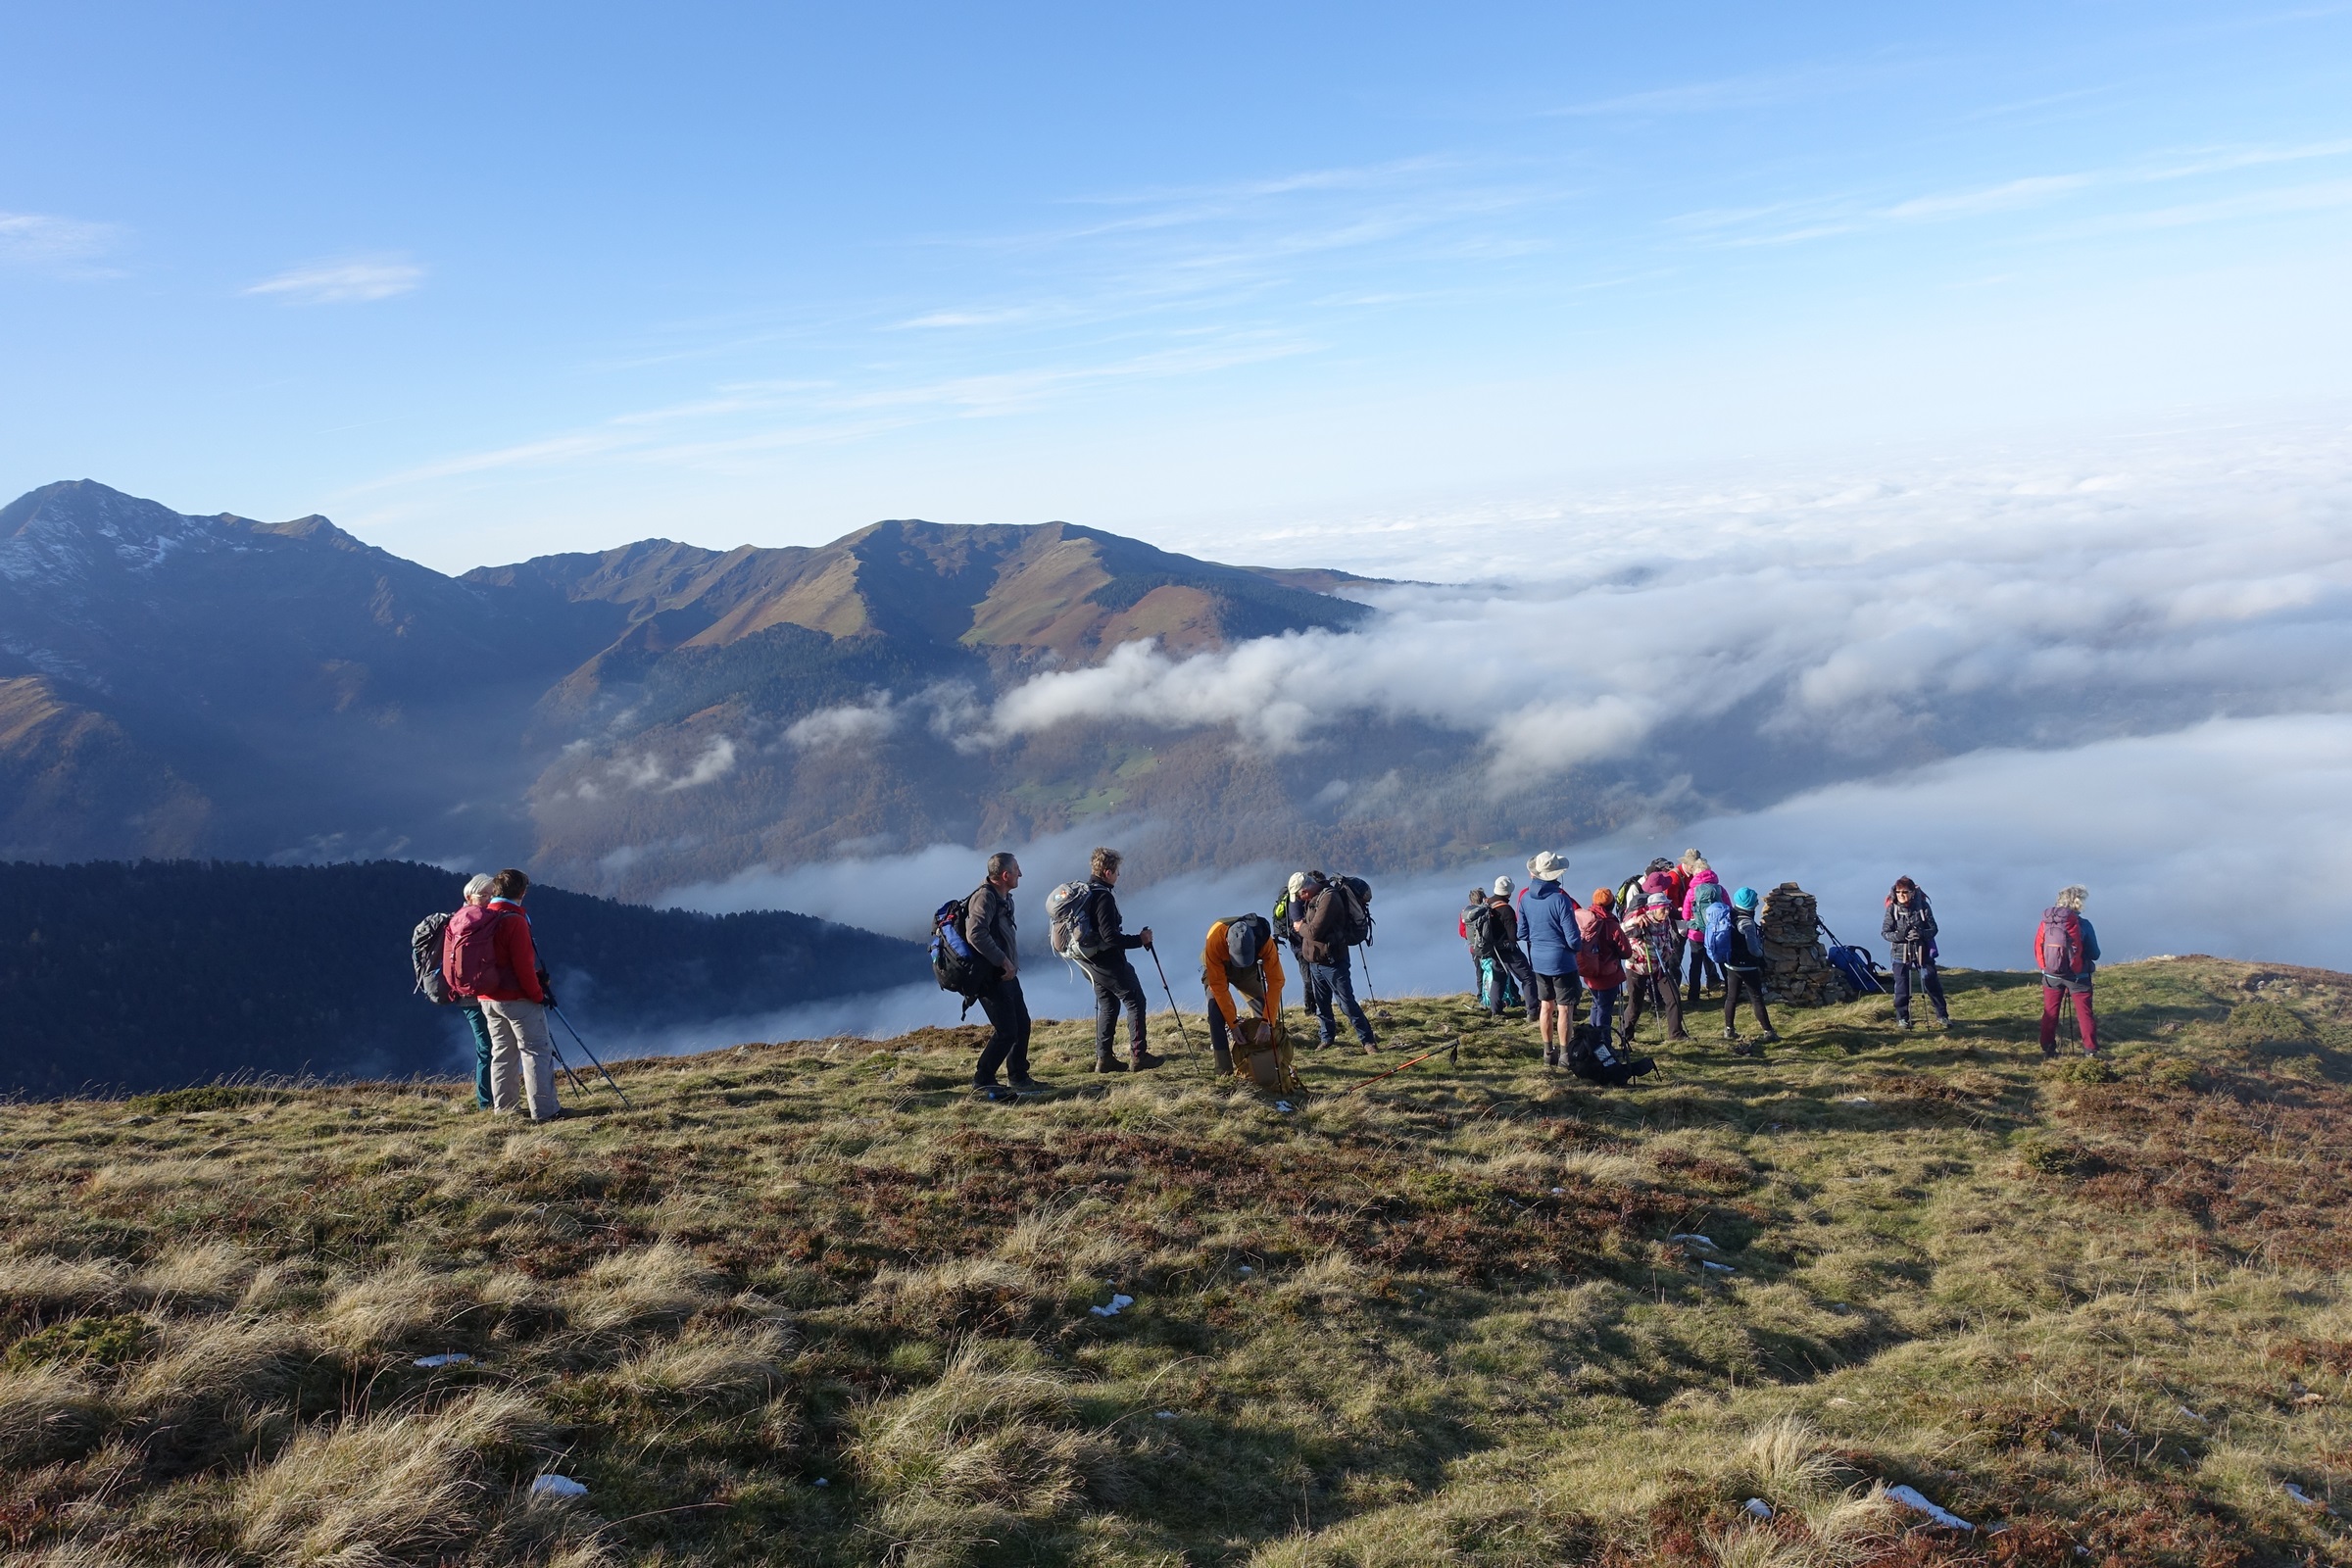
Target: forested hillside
x,y
145,975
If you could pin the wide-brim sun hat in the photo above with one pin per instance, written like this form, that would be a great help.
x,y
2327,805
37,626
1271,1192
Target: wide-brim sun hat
x,y
1546,866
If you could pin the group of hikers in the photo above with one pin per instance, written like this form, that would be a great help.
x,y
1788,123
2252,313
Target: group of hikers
x,y
1657,941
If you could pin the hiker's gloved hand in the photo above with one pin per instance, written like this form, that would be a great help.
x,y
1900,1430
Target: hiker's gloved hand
x,y
549,1001
1145,935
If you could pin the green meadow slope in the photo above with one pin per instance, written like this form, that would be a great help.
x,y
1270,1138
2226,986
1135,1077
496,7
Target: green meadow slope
x,y
811,1305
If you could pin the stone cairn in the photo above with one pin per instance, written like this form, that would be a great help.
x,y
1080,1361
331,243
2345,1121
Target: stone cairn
x,y
1796,968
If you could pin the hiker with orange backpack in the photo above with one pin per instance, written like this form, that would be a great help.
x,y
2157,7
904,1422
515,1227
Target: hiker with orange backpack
x,y
2066,950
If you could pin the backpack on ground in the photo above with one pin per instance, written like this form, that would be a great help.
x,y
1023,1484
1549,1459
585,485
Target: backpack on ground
x,y
2058,943
1066,907
469,961
1246,935
1856,969
424,946
1596,1058
956,965
1715,930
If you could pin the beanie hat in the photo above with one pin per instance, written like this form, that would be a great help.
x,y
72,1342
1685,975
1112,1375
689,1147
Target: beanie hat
x,y
1657,901
1745,898
1602,898
1502,886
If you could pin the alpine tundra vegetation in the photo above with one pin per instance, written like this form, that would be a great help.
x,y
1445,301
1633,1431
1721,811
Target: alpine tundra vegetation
x,y
811,1304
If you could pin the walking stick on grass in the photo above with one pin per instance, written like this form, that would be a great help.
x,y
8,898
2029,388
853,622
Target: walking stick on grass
x,y
600,1067
1171,996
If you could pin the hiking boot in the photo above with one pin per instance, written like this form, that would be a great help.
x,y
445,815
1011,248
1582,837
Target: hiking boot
x,y
1730,1033
1326,1041
1944,1024
1551,1056
1107,1063
1141,1060
1371,1048
1903,1023
1224,1061
1026,1083
993,1093
1772,1037
2049,1052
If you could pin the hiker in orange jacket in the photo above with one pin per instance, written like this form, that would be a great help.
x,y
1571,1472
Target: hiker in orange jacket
x,y
1241,953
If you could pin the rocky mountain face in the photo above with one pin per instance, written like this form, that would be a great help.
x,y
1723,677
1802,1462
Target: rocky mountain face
x,y
637,719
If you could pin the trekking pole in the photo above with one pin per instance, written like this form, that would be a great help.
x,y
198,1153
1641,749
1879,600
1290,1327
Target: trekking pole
x,y
1399,1067
567,1066
1365,952
600,1067
1171,996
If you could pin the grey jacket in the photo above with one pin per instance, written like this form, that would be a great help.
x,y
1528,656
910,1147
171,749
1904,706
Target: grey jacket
x,y
988,925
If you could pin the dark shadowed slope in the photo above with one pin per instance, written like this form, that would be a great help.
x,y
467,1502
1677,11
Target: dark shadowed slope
x,y
177,972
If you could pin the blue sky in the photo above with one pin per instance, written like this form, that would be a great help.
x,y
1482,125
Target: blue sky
x,y
487,281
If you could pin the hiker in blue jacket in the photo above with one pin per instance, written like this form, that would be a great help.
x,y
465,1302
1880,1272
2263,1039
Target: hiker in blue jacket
x,y
1547,931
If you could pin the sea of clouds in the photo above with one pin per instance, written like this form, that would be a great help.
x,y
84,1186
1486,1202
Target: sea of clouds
x,y
2125,663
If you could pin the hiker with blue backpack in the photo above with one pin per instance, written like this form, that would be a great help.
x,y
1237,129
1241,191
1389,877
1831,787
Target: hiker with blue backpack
x,y
2066,950
1549,933
1736,942
1909,930
993,937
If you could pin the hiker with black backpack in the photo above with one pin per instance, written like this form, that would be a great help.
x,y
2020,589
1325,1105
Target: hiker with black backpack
x,y
488,954
988,928
1910,932
1548,935
1098,939
2066,950
1239,954
1337,922
1741,957
1494,938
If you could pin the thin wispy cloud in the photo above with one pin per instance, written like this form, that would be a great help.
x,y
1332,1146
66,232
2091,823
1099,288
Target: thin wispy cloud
x,y
50,242
354,281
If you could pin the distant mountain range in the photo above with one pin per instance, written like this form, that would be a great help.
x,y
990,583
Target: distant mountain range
x,y
637,719
154,975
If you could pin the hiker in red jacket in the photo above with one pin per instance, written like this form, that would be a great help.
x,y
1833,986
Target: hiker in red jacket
x,y
487,953
1601,960
2066,950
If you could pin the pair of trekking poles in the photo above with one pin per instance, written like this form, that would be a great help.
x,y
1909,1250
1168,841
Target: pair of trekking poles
x,y
591,1056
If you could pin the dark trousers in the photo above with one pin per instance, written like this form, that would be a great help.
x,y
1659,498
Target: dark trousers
x,y
1604,1004
1116,986
1752,981
481,1051
1664,992
1512,961
1008,1015
1704,971
1927,982
1327,982
2050,999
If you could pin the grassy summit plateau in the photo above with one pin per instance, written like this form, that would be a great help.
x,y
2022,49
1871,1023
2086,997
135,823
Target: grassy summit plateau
x,y
811,1305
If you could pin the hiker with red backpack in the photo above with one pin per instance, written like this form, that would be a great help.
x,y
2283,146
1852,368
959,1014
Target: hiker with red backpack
x,y
2066,950
487,954
990,930
426,947
1910,933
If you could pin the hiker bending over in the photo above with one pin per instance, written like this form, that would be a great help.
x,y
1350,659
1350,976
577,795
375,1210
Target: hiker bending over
x,y
1910,933
1700,887
1547,931
1495,936
2067,952
1655,954
1743,970
1240,955
995,939
1602,958
1289,914
1336,922
1102,949
487,953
